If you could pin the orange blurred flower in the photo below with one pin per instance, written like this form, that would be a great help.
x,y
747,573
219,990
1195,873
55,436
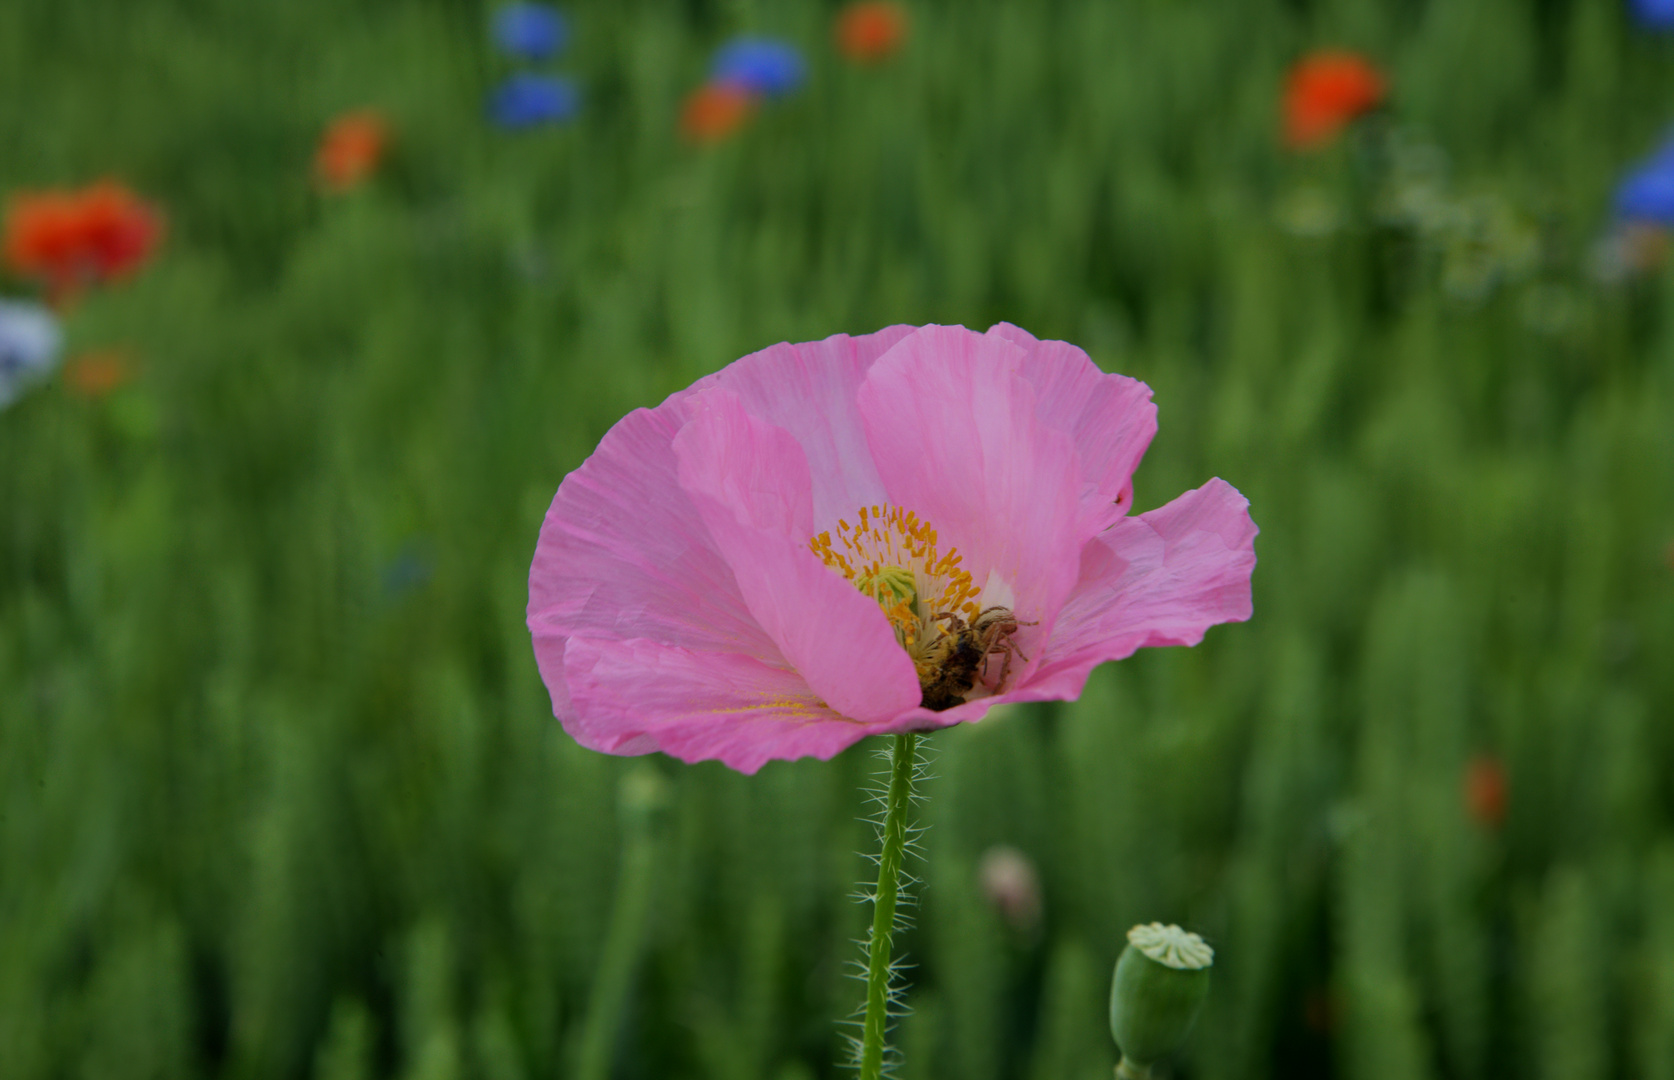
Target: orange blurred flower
x,y
74,238
871,30
1326,90
1645,245
350,149
714,111
1485,790
96,373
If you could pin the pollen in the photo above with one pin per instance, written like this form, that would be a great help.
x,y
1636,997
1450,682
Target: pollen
x,y
930,600
893,557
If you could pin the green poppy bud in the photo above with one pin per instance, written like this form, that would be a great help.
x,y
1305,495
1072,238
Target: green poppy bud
x,y
1161,980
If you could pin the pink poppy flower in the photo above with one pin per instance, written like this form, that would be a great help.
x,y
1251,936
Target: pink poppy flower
x,y
867,535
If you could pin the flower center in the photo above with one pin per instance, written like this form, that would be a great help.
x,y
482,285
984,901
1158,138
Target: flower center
x,y
931,603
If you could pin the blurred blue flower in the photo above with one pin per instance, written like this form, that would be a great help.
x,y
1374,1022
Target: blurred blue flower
x,y
1647,193
1655,14
530,31
760,65
526,100
29,343
409,571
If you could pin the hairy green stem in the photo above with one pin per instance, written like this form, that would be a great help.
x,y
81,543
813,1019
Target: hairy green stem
x,y
878,971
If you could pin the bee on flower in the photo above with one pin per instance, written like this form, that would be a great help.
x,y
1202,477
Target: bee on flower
x,y
881,534
885,534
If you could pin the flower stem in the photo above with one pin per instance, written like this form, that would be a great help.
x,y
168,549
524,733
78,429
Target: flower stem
x,y
607,1003
1127,1069
878,970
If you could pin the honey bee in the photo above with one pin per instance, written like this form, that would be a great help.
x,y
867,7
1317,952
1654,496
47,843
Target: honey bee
x,y
962,656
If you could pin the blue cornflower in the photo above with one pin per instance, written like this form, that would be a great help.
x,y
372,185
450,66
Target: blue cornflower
x,y
526,100
1654,14
760,65
530,31
29,342
1647,194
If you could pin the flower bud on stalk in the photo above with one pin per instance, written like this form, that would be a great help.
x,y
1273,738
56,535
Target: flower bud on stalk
x,y
1161,980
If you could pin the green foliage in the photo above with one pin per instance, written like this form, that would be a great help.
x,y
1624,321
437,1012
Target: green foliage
x,y
280,792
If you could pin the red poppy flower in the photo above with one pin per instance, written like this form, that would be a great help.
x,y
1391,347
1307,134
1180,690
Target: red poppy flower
x,y
74,238
1324,92
350,149
714,111
1485,791
871,30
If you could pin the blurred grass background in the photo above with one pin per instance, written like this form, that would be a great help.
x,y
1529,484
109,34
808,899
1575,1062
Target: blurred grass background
x,y
282,795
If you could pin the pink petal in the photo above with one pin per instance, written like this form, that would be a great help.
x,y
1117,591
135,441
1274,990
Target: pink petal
x,y
549,660
922,719
1162,578
637,696
956,432
623,553
750,482
809,390
1111,417
675,604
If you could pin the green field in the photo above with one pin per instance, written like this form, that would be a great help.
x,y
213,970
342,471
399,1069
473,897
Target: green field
x,y
282,793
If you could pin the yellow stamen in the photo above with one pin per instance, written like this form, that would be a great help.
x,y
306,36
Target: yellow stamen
x,y
889,545
895,558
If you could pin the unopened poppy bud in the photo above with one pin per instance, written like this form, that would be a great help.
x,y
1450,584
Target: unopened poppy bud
x,y
1010,883
1161,980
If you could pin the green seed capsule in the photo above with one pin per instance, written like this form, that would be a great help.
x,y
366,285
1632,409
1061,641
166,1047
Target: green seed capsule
x,y
1161,980
889,585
